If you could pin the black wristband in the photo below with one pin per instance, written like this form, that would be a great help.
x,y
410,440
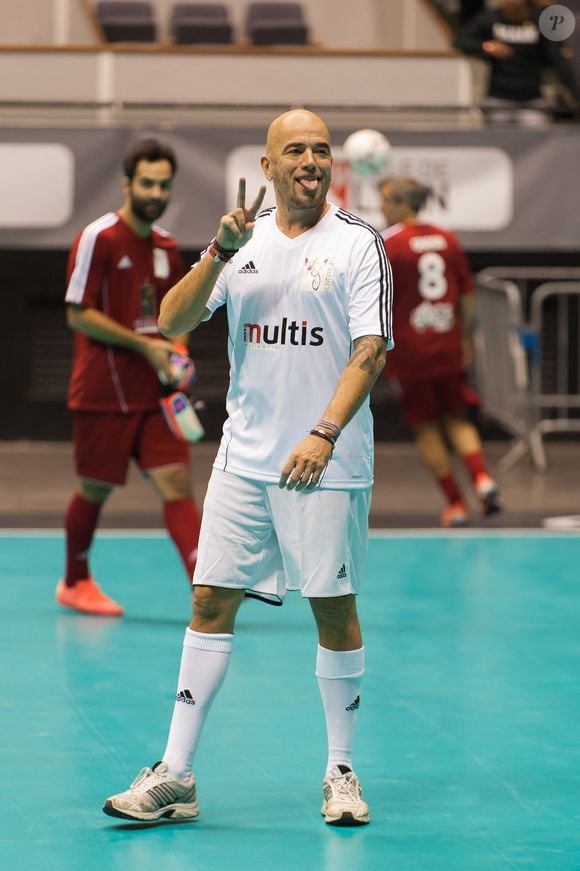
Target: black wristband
x,y
219,253
322,435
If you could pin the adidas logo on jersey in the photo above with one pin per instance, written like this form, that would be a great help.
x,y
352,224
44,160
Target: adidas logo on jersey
x,y
125,262
341,573
185,696
355,705
249,267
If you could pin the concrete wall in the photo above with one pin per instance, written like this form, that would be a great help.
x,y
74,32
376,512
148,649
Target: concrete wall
x,y
174,79
27,21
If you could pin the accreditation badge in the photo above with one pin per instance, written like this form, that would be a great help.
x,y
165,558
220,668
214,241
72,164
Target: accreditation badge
x,y
160,263
147,320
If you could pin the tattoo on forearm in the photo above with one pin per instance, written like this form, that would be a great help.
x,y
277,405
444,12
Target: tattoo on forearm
x,y
369,354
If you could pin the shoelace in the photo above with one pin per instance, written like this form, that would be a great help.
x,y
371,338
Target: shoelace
x,y
145,774
346,787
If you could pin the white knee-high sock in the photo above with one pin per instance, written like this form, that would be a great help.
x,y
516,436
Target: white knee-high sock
x,y
204,663
339,674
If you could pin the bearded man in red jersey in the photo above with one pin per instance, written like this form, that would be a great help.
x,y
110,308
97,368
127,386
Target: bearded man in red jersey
x,y
119,269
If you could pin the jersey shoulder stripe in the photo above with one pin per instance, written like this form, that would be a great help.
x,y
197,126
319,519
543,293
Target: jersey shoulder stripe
x,y
392,231
84,255
355,221
385,277
161,231
265,212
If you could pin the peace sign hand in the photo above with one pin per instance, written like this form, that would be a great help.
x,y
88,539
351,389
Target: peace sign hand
x,y
237,226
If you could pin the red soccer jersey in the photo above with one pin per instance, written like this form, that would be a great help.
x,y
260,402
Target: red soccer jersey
x,y
114,270
430,272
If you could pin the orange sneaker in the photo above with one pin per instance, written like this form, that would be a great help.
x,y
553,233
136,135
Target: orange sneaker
x,y
454,515
488,494
87,596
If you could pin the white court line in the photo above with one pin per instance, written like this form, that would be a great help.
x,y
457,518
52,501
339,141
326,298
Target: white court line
x,y
504,532
7,532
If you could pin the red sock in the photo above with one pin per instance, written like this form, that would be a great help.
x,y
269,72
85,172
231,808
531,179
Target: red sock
x,y
182,521
476,464
80,523
450,488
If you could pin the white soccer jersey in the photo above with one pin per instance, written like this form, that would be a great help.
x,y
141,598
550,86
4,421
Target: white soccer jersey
x,y
294,308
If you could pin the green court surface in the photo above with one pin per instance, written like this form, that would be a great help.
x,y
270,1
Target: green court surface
x,y
469,732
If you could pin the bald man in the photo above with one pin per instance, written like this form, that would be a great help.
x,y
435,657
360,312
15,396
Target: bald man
x,y
308,294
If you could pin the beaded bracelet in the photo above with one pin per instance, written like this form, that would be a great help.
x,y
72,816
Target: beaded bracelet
x,y
335,430
219,254
323,435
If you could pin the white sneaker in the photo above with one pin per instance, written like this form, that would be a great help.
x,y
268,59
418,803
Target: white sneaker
x,y
343,803
155,794
488,493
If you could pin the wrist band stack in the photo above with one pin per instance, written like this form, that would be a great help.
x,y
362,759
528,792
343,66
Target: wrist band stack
x,y
219,254
320,431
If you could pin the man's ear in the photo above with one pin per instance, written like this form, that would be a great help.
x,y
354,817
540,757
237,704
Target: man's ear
x,y
266,168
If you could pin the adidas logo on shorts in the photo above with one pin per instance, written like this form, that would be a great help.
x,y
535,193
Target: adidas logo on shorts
x,y
185,696
341,573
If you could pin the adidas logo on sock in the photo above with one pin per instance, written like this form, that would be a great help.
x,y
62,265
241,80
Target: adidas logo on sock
x,y
249,267
355,705
341,573
185,696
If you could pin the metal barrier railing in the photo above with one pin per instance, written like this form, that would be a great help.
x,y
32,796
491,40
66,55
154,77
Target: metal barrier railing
x,y
528,369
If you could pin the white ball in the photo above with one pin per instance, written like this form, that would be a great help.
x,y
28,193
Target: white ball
x,y
367,151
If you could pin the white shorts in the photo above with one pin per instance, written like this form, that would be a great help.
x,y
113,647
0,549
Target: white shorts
x,y
256,537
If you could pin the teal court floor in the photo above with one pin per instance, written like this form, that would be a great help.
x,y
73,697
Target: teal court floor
x,y
469,731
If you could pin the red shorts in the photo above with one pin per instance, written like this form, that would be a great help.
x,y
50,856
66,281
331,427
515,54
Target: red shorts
x,y
105,442
426,400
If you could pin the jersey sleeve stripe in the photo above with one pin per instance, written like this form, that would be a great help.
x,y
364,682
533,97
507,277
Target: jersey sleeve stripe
x,y
84,255
386,275
161,231
392,231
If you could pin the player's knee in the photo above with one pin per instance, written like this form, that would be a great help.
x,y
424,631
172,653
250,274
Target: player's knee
x,y
334,612
173,484
212,604
180,489
94,492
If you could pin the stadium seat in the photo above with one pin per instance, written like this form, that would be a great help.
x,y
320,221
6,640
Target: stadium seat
x,y
127,20
276,24
200,23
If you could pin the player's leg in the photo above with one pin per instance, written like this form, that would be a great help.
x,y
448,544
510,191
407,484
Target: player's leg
x,y
180,513
99,470
329,576
465,440
165,460
340,666
419,399
234,539
433,451
168,789
207,647
81,520
236,532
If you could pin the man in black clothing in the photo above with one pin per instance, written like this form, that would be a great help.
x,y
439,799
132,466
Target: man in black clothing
x,y
510,39
469,8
